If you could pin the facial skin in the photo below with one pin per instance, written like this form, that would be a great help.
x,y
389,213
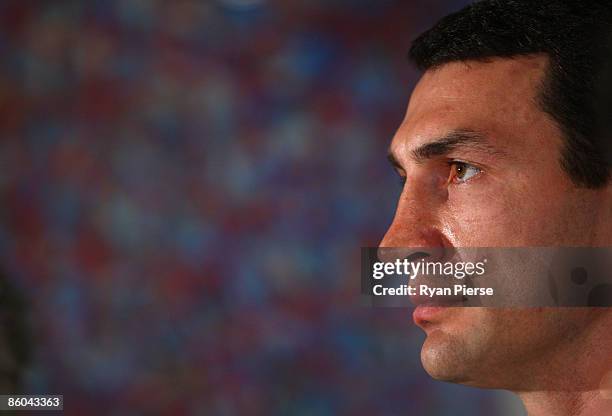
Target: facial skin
x,y
508,191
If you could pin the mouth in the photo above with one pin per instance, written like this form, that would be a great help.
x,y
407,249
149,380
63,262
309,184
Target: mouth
x,y
426,316
431,308
423,315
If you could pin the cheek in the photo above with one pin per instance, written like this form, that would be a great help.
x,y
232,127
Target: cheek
x,y
498,216
494,335
605,387
475,218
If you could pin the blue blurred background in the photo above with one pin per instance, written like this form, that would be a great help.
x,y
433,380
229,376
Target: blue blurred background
x,y
186,186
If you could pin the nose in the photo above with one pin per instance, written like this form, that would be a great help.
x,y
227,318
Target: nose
x,y
415,233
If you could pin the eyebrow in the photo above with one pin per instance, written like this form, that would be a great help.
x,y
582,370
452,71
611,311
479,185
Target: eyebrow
x,y
456,139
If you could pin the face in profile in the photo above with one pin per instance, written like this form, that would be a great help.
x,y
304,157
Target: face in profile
x,y
481,163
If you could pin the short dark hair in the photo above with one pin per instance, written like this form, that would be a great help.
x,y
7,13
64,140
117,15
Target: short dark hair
x,y
574,35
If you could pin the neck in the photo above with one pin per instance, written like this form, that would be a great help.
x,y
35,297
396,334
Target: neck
x,y
546,403
576,379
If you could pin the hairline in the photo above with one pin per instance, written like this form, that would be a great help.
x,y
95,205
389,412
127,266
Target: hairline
x,y
539,98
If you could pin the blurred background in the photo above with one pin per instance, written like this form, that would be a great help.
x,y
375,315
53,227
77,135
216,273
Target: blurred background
x,y
185,188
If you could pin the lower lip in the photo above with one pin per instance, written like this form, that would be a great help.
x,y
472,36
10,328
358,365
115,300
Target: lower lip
x,y
426,313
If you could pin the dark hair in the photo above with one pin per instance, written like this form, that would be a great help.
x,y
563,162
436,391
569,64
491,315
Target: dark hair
x,y
574,35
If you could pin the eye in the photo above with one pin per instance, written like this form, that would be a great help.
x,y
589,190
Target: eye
x,y
462,172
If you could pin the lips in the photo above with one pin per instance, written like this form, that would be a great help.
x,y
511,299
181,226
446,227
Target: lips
x,y
425,315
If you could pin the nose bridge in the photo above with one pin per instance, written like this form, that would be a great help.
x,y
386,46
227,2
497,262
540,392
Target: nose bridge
x,y
415,223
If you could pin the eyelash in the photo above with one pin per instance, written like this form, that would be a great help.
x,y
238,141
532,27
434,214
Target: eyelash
x,y
450,163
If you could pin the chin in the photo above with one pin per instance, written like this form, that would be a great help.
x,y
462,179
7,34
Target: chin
x,y
444,359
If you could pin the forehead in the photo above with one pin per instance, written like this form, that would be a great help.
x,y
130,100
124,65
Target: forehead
x,y
498,98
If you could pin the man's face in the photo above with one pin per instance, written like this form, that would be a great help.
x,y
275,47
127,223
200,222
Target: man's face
x,y
481,162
